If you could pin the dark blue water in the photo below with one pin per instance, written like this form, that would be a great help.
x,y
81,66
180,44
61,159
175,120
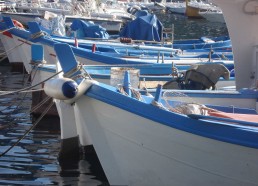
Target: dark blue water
x,y
34,160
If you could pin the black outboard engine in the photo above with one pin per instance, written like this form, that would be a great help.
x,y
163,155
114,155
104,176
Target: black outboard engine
x,y
199,77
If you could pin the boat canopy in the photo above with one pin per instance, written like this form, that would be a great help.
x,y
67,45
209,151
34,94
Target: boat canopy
x,y
146,27
87,29
141,13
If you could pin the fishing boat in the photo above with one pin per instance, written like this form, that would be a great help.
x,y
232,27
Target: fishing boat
x,y
176,7
142,76
167,138
213,15
23,39
193,8
25,12
149,28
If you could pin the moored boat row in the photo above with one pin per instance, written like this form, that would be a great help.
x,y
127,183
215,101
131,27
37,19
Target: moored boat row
x,y
164,136
163,131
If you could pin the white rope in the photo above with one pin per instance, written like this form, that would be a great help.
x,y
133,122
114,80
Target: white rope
x,y
6,30
30,87
158,104
25,91
7,52
40,34
136,94
28,131
33,36
37,35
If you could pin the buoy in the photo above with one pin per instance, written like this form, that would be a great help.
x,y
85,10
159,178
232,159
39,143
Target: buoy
x,y
67,89
61,88
17,24
83,87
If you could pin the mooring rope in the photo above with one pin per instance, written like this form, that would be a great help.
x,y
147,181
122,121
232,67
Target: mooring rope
x,y
136,94
29,130
14,46
2,31
158,104
25,91
33,36
30,87
21,101
9,51
40,104
16,99
40,34
37,35
10,124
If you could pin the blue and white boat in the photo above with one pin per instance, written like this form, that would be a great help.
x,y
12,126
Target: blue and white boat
x,y
149,28
25,12
146,75
144,130
22,40
214,145
143,76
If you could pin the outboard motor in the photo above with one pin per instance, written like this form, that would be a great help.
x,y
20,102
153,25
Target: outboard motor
x,y
199,77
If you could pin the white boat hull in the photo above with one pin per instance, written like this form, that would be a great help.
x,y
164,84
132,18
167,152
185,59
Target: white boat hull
x,y
137,151
21,17
11,49
65,111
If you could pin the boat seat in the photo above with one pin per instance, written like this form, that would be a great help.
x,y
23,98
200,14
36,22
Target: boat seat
x,y
242,117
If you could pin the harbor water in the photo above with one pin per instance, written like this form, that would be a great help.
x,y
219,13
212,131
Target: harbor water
x,y
185,28
34,160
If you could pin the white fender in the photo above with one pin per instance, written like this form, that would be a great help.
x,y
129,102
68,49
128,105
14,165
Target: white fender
x,y
61,88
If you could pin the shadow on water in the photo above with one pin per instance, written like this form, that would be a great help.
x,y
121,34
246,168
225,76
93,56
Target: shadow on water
x,y
33,161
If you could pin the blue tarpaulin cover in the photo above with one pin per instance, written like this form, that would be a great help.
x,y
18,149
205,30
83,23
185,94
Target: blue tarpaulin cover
x,y
87,29
140,13
146,27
